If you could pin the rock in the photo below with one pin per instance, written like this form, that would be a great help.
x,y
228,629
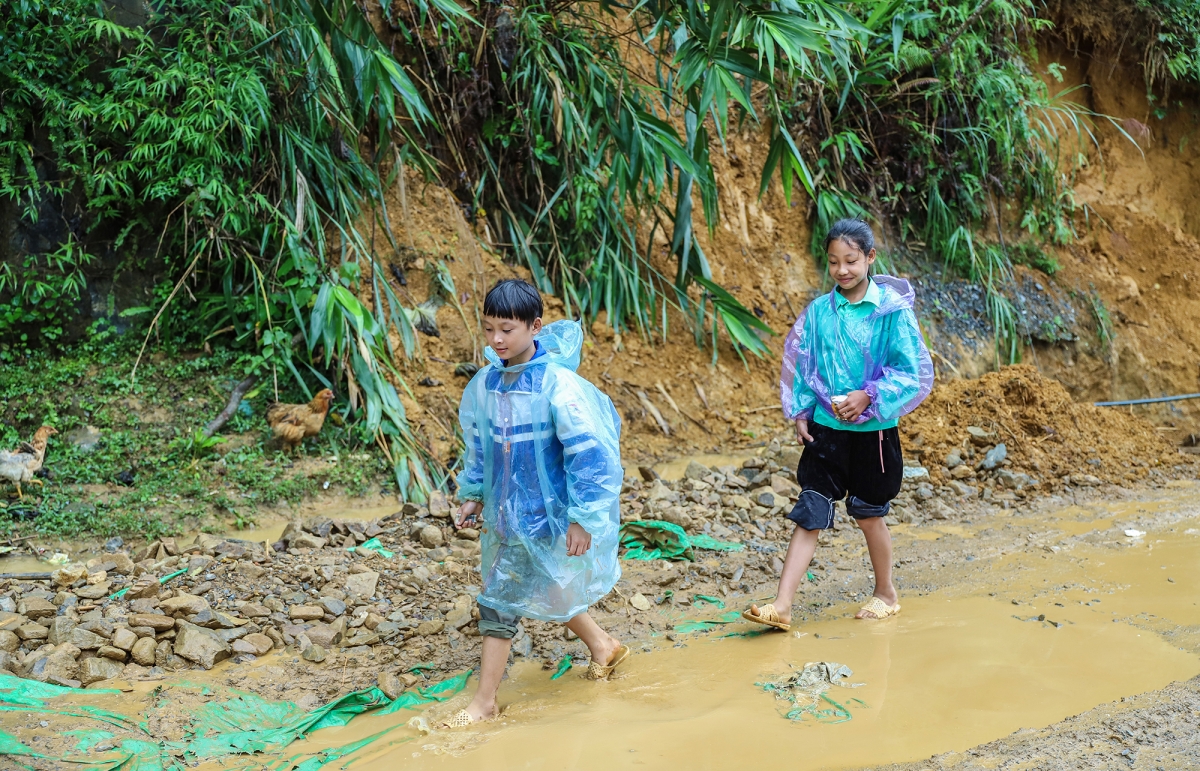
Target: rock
x,y
457,618
953,459
695,470
362,637
313,652
307,541
962,472
439,505
659,492
963,489
254,610
34,608
8,663
250,571
789,457
469,533
1084,480
123,639
332,605
677,516
200,646
183,603
994,457
769,499
648,474
431,537
260,643
60,630
65,576
427,628
639,601
362,584
938,509
306,613
94,591
54,667
162,653
156,622
122,564
979,437
96,669
1015,480
85,640
740,502
111,652
144,588
32,632
912,473
143,651
325,636
85,438
9,641
785,486
391,685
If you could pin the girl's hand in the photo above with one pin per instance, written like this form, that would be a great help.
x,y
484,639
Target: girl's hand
x,y
468,514
578,540
802,431
849,410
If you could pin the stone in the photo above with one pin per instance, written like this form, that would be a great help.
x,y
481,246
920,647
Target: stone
x,y
789,457
431,537
953,459
962,472
785,486
305,613
427,628
391,685
768,498
111,652
307,541
439,505
639,601
915,473
695,470
122,564
1084,480
200,646
362,637
32,632
1015,480
9,642
85,640
184,604
96,669
250,571
95,591
162,653
60,630
254,610
143,651
8,663
69,574
740,502
938,509
144,588
260,643
457,618
994,457
123,639
660,493
34,608
323,635
332,605
362,584
158,623
469,533
963,489
313,652
979,437
54,667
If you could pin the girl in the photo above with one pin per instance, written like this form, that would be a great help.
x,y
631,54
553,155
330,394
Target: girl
x,y
853,363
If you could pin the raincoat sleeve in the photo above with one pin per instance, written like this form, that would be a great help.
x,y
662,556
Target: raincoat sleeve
x,y
588,427
906,375
796,396
473,422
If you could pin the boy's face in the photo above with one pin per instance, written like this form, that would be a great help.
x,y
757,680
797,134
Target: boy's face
x,y
511,339
847,264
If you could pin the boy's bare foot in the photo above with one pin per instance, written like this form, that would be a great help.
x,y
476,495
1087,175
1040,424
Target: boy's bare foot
x,y
604,649
479,712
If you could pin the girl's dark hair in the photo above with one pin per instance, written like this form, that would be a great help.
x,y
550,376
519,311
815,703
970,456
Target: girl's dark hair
x,y
853,231
513,299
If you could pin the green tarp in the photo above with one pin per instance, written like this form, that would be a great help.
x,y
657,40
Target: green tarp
x,y
655,539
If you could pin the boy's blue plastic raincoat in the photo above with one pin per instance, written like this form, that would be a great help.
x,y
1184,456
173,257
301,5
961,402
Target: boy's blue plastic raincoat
x,y
874,345
543,451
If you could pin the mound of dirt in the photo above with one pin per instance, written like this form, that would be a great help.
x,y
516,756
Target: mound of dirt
x,y
1045,434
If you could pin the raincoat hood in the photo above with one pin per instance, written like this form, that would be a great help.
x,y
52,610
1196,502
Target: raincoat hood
x,y
562,342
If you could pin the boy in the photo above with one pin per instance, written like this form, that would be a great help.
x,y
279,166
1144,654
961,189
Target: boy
x,y
543,468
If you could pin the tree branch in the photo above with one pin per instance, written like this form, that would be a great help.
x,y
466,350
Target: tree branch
x,y
235,399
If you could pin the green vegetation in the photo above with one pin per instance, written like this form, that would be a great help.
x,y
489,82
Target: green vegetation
x,y
1173,52
148,473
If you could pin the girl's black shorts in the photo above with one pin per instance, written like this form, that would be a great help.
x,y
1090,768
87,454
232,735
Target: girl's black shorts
x,y
864,467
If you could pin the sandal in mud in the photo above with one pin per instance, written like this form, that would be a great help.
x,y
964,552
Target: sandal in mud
x,y
878,609
598,671
765,615
463,719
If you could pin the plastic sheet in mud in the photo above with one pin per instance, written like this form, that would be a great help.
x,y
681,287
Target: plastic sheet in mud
x,y
655,540
806,692
241,724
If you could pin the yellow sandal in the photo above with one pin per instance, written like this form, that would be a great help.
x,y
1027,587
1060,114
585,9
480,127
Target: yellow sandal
x,y
462,719
598,671
878,610
766,615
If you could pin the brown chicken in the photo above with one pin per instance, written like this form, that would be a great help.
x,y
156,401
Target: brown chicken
x,y
20,466
293,423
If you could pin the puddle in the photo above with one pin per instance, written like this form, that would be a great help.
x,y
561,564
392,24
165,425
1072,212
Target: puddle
x,y
270,531
673,469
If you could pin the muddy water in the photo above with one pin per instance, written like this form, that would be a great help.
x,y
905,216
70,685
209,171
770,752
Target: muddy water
x,y
948,674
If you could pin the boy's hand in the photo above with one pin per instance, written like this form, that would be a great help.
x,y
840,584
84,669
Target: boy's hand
x,y
849,410
578,540
802,434
468,513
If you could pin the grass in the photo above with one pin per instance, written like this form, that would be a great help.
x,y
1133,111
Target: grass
x,y
149,429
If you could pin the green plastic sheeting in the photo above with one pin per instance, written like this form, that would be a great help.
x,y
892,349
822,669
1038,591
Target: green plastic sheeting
x,y
701,599
374,545
707,625
564,667
118,595
655,539
241,725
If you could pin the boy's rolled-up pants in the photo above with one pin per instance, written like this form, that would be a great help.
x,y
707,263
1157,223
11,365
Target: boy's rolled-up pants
x,y
496,623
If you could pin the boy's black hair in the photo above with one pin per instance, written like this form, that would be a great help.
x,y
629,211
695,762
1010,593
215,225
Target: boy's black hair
x,y
852,231
513,299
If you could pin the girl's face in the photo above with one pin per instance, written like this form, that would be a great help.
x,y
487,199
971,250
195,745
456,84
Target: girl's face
x,y
847,263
